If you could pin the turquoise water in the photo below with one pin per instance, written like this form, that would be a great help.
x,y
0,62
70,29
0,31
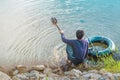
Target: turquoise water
x,y
26,31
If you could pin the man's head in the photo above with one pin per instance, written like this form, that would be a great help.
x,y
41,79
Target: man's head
x,y
79,34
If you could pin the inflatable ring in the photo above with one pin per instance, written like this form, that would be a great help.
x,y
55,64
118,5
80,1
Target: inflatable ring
x,y
100,39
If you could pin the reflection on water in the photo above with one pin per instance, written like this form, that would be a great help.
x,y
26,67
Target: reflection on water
x,y
27,36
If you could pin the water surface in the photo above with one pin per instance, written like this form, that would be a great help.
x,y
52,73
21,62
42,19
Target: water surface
x,y
27,36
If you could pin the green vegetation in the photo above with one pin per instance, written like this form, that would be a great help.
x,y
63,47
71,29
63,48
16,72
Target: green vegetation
x,y
110,64
106,62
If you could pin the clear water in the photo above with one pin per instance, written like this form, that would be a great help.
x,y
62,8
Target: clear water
x,y
27,36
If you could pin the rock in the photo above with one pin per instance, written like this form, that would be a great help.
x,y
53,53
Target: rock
x,y
15,72
117,76
34,75
84,73
57,71
109,75
102,71
39,67
1,69
92,76
21,68
48,78
47,71
68,73
73,73
93,71
53,75
76,72
56,78
4,76
20,77
42,75
80,78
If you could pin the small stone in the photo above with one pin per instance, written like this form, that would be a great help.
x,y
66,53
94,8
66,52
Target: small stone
x,y
1,69
20,77
117,76
102,71
15,72
4,76
21,68
80,78
39,67
93,71
47,71
48,78
42,75
84,72
109,75
76,72
92,76
34,75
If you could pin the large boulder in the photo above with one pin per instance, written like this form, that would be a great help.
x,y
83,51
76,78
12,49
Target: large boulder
x,y
4,76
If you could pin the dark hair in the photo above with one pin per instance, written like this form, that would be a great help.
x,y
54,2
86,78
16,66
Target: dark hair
x,y
79,34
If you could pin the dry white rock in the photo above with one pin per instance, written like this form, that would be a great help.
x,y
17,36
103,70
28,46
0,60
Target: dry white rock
x,y
4,76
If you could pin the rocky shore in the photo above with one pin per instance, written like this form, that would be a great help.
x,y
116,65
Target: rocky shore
x,y
41,72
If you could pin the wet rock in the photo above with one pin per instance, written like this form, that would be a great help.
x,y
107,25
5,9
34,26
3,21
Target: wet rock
x,y
21,68
4,76
39,67
92,76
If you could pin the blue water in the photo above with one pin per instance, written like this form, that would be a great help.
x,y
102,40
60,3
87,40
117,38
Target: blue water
x,y
26,31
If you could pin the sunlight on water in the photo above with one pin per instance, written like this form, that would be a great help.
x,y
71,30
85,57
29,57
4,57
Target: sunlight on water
x,y
27,36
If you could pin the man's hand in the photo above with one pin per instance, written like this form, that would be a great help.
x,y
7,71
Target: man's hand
x,y
61,31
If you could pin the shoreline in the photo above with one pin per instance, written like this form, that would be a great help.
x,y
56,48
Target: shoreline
x,y
42,72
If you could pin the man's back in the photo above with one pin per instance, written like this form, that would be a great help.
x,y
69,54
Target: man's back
x,y
80,47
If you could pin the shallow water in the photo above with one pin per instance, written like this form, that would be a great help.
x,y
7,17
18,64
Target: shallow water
x,y
27,36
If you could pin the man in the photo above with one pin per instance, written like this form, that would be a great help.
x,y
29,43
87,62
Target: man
x,y
80,46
